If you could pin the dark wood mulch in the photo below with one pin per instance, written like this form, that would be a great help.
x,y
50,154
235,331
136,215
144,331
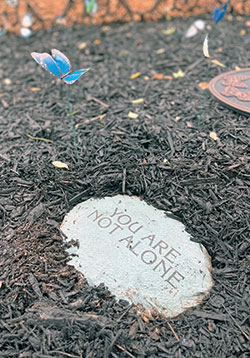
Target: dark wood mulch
x,y
165,156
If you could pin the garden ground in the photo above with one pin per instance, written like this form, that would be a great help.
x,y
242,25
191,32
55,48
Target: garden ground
x,y
168,155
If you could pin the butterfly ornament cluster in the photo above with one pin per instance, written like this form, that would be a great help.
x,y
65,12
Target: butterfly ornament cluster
x,y
58,64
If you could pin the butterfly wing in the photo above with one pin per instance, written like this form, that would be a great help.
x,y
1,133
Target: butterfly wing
x,y
221,15
217,14
38,58
72,77
226,6
62,61
47,62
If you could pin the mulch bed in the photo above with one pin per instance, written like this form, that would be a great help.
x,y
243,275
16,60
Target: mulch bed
x,y
165,156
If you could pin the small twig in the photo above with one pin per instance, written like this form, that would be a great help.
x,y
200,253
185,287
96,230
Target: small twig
x,y
38,138
112,343
72,113
169,325
90,98
124,350
125,312
101,116
66,354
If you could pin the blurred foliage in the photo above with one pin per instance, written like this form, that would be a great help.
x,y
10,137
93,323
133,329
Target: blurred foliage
x,y
47,13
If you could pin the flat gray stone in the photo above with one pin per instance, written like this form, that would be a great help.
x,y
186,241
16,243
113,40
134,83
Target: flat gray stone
x,y
139,253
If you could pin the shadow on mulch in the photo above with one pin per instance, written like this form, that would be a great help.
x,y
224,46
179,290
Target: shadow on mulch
x,y
165,156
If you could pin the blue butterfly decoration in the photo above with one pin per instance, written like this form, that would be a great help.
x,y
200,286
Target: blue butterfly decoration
x,y
58,64
219,13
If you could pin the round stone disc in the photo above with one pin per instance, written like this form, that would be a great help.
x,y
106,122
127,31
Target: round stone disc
x,y
233,89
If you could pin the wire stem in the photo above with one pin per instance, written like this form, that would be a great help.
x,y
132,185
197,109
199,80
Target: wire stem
x,y
72,126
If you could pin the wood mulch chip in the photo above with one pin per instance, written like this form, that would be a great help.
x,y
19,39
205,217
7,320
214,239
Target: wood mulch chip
x,y
167,156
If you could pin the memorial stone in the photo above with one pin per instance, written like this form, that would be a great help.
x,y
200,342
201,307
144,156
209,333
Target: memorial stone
x,y
139,252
